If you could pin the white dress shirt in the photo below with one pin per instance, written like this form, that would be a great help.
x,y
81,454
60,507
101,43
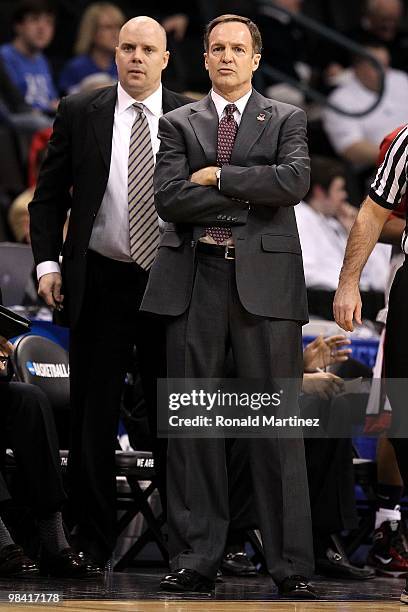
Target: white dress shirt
x,y
323,240
220,104
110,232
391,112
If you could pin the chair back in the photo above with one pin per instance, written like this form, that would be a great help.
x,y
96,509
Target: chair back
x,y
16,266
41,362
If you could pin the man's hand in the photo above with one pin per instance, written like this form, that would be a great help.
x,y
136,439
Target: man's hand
x,y
322,384
205,177
49,289
347,306
323,352
363,237
6,348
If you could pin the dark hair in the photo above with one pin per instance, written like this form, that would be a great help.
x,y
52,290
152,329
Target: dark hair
x,y
33,7
252,27
368,41
323,172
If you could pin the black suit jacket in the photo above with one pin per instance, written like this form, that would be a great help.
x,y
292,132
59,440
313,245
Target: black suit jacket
x,y
74,175
268,175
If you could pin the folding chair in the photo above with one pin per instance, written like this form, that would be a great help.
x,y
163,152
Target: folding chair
x,y
44,363
41,362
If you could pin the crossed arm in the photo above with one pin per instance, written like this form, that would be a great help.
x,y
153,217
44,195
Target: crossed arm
x,y
182,197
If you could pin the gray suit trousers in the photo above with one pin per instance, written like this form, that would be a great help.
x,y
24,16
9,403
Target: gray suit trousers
x,y
198,507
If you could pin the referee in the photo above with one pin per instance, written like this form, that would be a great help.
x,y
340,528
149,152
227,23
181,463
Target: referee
x,y
384,196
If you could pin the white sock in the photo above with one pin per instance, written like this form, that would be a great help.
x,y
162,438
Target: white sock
x,y
386,514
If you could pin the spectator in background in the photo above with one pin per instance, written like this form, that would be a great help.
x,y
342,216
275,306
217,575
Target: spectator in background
x,y
18,217
14,111
27,67
329,459
324,222
381,19
183,23
329,462
95,46
357,139
284,50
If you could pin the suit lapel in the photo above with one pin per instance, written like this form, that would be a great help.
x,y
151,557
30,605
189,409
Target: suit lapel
x,y
254,120
101,113
170,101
204,121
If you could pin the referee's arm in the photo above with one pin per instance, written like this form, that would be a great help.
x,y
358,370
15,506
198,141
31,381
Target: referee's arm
x,y
363,238
388,188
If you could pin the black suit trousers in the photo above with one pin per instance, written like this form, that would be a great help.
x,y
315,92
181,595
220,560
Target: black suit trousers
x,y
198,501
27,427
101,348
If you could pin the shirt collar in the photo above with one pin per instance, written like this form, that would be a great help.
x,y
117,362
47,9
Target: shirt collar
x,y
153,103
221,102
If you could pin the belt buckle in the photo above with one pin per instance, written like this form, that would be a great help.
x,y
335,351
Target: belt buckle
x,y
227,251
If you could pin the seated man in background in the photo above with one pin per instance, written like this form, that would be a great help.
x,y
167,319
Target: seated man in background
x,y
324,221
27,427
329,460
23,58
329,464
357,139
384,21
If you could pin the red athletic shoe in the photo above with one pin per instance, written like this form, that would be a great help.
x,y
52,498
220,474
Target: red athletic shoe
x,y
389,554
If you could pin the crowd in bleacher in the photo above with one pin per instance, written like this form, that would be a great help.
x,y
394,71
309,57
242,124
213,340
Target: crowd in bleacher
x,y
47,52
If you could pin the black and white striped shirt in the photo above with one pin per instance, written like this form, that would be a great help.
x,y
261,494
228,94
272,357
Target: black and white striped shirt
x,y
390,184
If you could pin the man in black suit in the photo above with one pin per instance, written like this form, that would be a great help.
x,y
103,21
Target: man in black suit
x,y
103,146
229,273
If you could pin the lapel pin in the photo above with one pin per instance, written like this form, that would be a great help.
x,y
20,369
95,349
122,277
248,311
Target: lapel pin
x,y
261,117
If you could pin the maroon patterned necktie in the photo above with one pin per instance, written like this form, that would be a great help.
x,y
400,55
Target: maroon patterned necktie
x,y
227,131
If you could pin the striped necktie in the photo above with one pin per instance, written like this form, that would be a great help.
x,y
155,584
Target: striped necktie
x,y
143,222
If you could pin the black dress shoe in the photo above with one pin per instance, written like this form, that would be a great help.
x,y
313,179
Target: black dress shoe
x,y
92,567
336,565
296,587
66,564
238,564
15,563
187,581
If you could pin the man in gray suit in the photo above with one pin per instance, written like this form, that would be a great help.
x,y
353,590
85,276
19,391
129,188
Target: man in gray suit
x,y
229,273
